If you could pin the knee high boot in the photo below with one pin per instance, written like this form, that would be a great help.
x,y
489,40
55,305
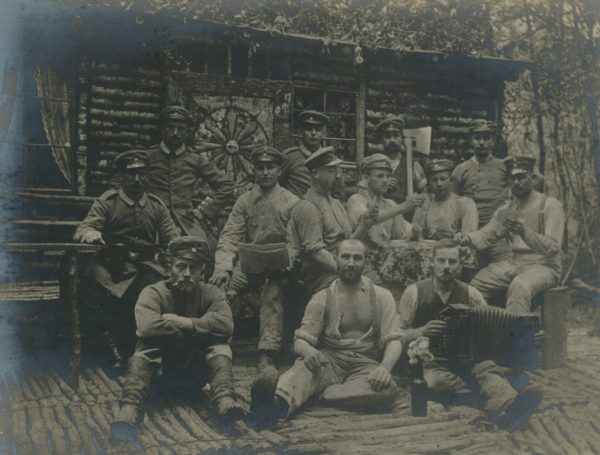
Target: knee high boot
x,y
221,384
135,391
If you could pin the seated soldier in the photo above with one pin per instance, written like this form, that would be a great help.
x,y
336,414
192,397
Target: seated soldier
x,y
318,222
444,213
128,221
533,225
419,311
391,225
183,328
258,216
346,346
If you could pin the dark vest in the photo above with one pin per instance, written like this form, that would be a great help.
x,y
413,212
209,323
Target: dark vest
x,y
429,303
398,195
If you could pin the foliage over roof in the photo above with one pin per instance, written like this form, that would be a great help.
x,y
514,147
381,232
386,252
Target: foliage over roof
x,y
446,26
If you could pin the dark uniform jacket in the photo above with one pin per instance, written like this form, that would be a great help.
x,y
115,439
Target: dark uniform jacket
x,y
140,226
185,180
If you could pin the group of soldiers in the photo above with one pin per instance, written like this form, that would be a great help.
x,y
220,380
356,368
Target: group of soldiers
x,y
165,279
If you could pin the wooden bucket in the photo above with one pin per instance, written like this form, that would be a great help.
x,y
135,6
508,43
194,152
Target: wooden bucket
x,y
263,258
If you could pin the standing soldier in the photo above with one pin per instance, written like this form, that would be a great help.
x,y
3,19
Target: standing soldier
x,y
127,221
178,175
183,328
258,216
294,175
319,222
444,213
483,178
389,132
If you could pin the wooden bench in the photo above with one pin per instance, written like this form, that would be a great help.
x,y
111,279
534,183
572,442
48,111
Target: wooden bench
x,y
69,254
554,318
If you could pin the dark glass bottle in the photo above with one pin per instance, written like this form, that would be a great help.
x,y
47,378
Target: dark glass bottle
x,y
418,390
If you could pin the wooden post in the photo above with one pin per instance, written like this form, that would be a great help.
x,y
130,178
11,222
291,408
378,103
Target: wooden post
x,y
71,294
361,114
409,169
554,318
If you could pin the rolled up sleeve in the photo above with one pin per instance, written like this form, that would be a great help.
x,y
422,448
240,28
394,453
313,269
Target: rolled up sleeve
x,y
313,320
306,222
389,320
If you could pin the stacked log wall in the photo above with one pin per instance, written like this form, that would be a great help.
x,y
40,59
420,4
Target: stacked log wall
x,y
119,109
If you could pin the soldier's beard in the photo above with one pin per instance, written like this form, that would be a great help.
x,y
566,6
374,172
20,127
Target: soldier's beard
x,y
350,276
183,286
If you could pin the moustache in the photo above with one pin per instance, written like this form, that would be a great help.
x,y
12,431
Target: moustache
x,y
178,284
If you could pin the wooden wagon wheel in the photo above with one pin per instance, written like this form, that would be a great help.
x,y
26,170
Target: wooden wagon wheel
x,y
228,135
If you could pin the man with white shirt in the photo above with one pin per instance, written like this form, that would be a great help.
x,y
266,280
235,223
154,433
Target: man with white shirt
x,y
533,225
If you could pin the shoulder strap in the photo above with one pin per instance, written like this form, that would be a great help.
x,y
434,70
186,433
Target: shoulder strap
x,y
459,210
374,312
156,198
108,194
541,215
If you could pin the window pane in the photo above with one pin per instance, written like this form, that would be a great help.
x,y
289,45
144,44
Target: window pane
x,y
342,126
42,169
344,149
306,98
341,102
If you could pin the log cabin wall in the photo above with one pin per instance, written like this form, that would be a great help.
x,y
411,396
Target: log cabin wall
x,y
119,104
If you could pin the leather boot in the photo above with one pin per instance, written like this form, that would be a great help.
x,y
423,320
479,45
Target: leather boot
x,y
221,384
265,382
519,409
137,382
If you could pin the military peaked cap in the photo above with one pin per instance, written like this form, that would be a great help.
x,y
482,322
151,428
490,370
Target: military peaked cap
x,y
176,113
131,159
311,117
266,154
519,164
376,161
325,156
483,126
189,247
389,124
438,165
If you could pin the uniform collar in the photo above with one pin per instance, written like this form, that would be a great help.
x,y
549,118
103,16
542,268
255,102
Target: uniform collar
x,y
304,150
258,191
131,202
168,151
474,158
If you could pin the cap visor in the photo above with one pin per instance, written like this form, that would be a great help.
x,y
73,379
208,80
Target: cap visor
x,y
518,171
333,163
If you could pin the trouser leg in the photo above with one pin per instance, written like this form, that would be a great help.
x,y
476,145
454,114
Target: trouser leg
x,y
534,279
495,277
299,383
440,379
355,391
494,387
271,315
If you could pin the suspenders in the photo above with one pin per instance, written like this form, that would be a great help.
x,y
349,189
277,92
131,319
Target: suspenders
x,y
541,215
372,301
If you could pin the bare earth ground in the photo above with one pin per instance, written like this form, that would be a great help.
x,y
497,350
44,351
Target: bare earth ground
x,y
41,414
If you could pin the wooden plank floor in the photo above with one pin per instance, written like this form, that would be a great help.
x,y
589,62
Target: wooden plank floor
x,y
43,415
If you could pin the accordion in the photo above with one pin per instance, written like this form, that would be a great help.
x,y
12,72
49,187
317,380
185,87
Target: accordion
x,y
474,334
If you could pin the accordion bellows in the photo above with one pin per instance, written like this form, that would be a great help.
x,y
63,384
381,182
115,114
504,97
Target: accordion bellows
x,y
263,258
480,333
